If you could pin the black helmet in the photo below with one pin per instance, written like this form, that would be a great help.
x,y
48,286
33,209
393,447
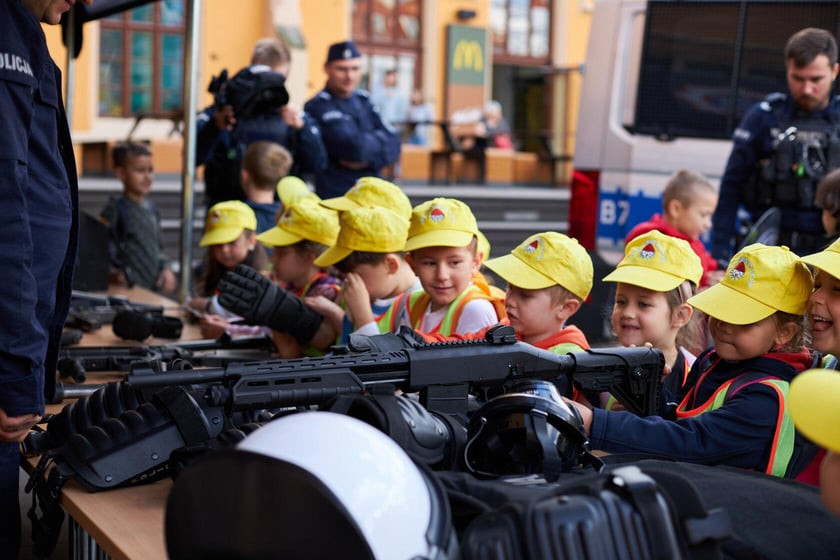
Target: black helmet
x,y
529,430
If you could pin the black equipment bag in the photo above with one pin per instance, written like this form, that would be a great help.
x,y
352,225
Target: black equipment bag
x,y
656,509
626,512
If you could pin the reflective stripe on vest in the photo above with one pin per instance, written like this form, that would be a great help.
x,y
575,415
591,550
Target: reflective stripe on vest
x,y
783,437
387,321
419,300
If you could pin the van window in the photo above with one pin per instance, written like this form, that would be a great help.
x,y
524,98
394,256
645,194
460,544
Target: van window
x,y
704,63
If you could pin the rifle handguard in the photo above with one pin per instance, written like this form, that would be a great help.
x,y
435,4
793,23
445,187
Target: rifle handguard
x,y
259,301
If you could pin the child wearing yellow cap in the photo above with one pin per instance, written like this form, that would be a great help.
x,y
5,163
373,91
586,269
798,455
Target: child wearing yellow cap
x,y
369,255
231,239
732,411
824,303
653,283
304,231
548,276
372,192
824,317
442,249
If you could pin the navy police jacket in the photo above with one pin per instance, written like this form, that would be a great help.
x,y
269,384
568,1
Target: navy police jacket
x,y
39,190
221,151
752,142
353,131
739,433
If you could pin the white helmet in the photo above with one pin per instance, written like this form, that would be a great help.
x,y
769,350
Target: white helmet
x,y
332,485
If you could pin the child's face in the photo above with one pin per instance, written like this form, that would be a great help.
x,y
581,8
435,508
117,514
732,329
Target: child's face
x,y
742,342
291,266
643,316
444,272
694,219
534,314
824,313
137,175
376,279
229,255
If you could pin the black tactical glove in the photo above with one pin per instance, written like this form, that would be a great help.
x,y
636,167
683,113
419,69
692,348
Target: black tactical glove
x,y
259,301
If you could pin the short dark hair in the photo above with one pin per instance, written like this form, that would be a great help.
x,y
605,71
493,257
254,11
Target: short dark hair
x,y
122,151
827,196
807,44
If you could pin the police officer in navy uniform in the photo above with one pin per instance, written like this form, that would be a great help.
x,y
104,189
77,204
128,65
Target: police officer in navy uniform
x,y
359,141
222,136
39,190
783,146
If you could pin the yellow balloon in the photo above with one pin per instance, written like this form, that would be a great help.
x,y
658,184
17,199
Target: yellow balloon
x,y
814,402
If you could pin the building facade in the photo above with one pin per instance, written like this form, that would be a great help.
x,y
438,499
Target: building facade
x,y
527,54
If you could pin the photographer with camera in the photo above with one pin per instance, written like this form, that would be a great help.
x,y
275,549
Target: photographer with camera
x,y
249,107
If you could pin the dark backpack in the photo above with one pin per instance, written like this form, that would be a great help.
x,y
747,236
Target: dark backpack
x,y
624,512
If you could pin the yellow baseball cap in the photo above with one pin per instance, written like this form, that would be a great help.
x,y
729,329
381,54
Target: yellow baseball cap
x,y
827,260
759,281
657,262
304,219
544,260
441,222
814,401
374,230
226,221
369,192
290,189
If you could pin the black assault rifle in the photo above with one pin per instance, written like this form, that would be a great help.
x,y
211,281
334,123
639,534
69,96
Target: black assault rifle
x,y
443,373
124,433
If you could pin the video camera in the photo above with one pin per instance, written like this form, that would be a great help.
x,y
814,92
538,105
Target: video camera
x,y
251,91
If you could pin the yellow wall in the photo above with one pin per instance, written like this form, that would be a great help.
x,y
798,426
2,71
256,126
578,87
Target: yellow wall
x,y
323,22
227,39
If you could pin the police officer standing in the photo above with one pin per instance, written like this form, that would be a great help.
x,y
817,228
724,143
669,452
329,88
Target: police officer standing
x,y
783,146
39,189
359,141
222,136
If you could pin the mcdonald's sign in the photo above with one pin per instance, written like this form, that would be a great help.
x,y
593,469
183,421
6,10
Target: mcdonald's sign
x,y
466,60
468,55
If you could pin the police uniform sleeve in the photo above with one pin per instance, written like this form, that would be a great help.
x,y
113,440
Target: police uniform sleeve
x,y
739,168
344,140
20,384
386,143
311,154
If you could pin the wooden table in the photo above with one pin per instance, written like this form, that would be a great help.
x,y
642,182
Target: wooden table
x,y
125,523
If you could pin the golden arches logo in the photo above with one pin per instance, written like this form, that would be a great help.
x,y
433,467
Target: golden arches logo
x,y
468,55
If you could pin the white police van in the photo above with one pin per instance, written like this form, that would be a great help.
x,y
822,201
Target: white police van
x,y
665,84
